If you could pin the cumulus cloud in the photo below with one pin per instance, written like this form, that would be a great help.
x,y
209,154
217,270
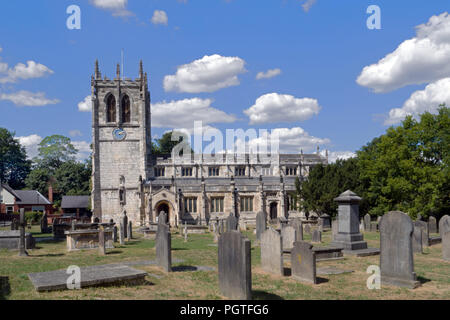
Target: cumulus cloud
x,y
116,7
421,101
75,133
28,99
268,74
85,105
275,107
333,156
23,72
183,113
208,74
84,149
308,4
160,17
422,59
30,143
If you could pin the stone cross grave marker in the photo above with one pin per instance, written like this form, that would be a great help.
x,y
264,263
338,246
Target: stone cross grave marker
x,y
303,262
288,234
444,229
432,226
261,224
235,275
164,247
396,257
22,224
272,252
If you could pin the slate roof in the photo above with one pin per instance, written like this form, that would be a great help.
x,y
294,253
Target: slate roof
x,y
10,190
74,202
30,197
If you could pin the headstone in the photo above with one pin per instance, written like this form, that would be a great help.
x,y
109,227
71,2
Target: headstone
x,y
162,218
115,234
303,262
334,228
185,232
444,229
124,221
373,226
307,228
272,252
361,226
288,235
102,241
367,222
325,221
261,224
425,235
22,251
232,223
164,247
234,266
121,233
44,224
417,240
316,236
432,226
396,258
130,231
298,226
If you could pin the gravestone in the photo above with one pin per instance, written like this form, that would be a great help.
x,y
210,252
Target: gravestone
x,y
288,235
115,234
425,235
22,251
417,240
121,233
396,258
303,262
130,231
232,223
164,247
124,222
432,226
14,225
316,236
307,228
298,226
334,228
185,232
272,252
361,226
162,218
234,266
367,222
444,229
325,221
261,224
101,241
348,236
74,225
44,224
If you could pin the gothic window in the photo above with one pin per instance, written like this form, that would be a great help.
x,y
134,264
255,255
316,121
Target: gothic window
x,y
239,171
111,109
160,172
213,171
291,171
126,109
186,172
246,204
190,205
267,171
216,205
292,203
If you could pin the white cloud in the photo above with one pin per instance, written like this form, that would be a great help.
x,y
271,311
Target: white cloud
x,y
160,17
420,101
117,7
333,156
268,74
23,72
30,143
85,105
274,107
422,59
75,133
84,149
28,99
183,113
308,4
208,74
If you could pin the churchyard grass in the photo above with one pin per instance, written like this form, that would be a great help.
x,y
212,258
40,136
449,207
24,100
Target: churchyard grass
x,y
200,250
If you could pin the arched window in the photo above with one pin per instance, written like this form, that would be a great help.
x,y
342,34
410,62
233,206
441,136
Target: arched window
x,y
111,109
126,109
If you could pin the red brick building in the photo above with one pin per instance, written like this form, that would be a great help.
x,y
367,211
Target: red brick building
x,y
30,200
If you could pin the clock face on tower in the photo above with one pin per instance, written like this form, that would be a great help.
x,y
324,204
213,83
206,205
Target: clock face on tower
x,y
119,134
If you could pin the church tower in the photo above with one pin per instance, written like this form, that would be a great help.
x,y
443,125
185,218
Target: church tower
x,y
121,131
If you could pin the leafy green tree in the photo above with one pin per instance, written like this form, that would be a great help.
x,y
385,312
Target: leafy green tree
x,y
72,179
38,179
54,151
14,166
165,145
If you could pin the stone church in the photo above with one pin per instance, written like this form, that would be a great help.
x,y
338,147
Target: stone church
x,y
127,177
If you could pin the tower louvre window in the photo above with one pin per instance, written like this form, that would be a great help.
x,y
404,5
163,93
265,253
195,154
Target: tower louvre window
x,y
111,109
126,109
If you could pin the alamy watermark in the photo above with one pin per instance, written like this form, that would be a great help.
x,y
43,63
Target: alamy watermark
x,y
374,281
74,280
74,20
374,21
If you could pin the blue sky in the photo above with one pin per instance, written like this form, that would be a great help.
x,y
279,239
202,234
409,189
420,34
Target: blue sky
x,y
318,55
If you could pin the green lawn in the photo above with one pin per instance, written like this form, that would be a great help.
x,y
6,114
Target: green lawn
x,y
200,251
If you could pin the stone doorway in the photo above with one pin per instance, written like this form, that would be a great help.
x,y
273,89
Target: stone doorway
x,y
273,211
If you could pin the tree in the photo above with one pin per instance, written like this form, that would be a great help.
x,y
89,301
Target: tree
x,y
14,166
38,180
165,145
72,179
54,151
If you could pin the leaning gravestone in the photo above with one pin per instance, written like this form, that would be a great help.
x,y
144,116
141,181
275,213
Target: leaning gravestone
x,y
232,223
396,258
367,222
261,224
425,235
164,247
289,236
417,240
303,262
444,229
272,252
432,227
316,236
130,231
234,260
